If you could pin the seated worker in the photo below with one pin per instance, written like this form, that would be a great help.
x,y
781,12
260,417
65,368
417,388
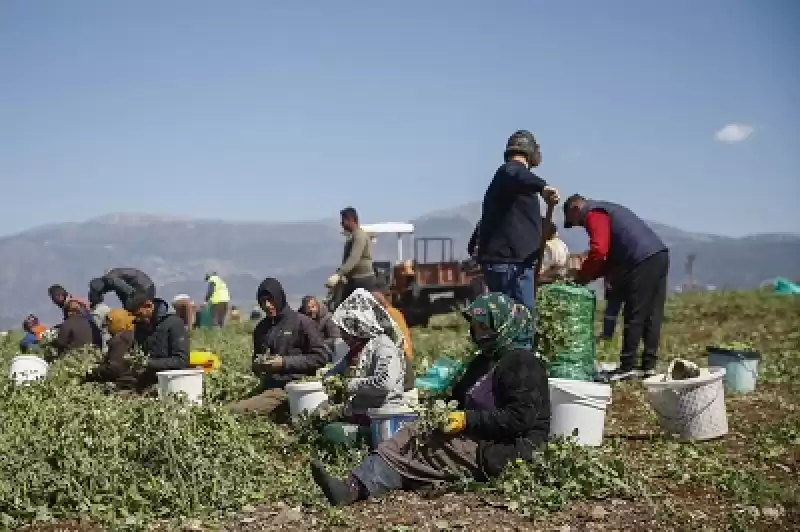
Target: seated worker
x,y
236,315
184,308
310,307
374,366
555,256
122,281
286,346
75,331
161,335
504,416
114,367
60,297
383,297
33,334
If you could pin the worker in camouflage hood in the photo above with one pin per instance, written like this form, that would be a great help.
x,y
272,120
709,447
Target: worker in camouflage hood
x,y
624,247
506,241
124,282
287,346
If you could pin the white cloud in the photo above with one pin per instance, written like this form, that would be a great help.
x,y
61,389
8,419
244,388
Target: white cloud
x,y
733,133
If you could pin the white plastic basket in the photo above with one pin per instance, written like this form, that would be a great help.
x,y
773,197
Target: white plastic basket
x,y
694,409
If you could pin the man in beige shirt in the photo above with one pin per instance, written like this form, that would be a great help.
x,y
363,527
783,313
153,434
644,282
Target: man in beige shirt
x,y
356,269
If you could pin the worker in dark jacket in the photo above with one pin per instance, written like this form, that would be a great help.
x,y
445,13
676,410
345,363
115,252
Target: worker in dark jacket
x,y
122,281
507,239
310,307
622,245
504,415
286,346
160,333
75,331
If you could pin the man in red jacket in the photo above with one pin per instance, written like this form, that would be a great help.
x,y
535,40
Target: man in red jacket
x,y
622,243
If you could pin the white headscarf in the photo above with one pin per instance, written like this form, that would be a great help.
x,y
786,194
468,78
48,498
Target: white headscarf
x,y
361,315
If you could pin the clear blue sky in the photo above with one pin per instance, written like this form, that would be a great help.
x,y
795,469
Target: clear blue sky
x,y
291,110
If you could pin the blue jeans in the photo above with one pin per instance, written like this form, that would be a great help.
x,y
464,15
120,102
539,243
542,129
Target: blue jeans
x,y
513,280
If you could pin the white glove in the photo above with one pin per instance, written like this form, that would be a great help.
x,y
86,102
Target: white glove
x,y
333,280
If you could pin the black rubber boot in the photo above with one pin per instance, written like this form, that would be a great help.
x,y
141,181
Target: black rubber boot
x,y
338,492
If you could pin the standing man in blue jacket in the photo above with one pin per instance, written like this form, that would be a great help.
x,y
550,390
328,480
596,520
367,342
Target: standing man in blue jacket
x,y
623,245
507,239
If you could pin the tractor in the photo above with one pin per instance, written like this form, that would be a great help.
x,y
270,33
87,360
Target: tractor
x,y
430,283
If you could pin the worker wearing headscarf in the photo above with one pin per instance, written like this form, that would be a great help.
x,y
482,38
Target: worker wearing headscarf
x,y
504,415
375,360
115,367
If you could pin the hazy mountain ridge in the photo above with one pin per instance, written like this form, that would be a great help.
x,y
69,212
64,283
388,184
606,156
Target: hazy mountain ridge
x,y
178,251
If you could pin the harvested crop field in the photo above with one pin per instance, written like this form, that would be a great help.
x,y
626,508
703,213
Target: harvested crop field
x,y
75,458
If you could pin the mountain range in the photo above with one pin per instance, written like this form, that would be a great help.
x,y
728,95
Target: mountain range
x,y
177,252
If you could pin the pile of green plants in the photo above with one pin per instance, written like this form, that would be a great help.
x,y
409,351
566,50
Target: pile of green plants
x,y
73,451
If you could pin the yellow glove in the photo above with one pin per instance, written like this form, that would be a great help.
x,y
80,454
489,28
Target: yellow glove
x,y
333,280
456,422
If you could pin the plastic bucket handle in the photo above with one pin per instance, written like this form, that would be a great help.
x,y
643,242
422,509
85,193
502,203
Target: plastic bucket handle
x,y
592,402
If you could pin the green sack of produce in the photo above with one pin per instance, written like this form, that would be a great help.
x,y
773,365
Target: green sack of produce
x,y
565,330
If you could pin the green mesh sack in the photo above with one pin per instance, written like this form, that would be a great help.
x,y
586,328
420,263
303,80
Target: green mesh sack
x,y
565,330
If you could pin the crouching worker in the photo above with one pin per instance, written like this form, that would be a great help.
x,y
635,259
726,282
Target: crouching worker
x,y
161,335
504,416
75,331
115,368
374,367
286,347
33,334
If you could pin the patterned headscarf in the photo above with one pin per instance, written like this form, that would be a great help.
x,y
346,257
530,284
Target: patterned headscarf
x,y
361,315
511,323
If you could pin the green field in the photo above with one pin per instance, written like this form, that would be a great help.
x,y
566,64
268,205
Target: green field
x,y
72,457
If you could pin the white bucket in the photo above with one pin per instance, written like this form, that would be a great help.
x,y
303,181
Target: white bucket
x,y
692,408
187,381
581,406
27,368
386,421
305,397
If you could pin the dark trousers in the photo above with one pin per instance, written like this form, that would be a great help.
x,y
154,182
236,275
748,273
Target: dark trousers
x,y
644,293
219,311
613,307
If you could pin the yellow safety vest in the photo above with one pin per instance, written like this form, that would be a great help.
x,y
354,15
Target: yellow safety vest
x,y
221,294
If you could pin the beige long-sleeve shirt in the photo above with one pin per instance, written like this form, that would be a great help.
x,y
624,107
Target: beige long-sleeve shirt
x,y
357,259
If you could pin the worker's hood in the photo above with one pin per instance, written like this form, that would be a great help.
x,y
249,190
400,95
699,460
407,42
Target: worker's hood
x,y
162,310
272,287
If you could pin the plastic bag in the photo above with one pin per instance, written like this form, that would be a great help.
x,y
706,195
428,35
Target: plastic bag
x,y
785,286
565,330
440,376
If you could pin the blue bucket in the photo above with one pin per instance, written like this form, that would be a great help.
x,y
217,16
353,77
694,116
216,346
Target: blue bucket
x,y
387,421
741,367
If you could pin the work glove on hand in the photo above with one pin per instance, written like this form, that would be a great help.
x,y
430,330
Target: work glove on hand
x,y
333,280
456,422
551,195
